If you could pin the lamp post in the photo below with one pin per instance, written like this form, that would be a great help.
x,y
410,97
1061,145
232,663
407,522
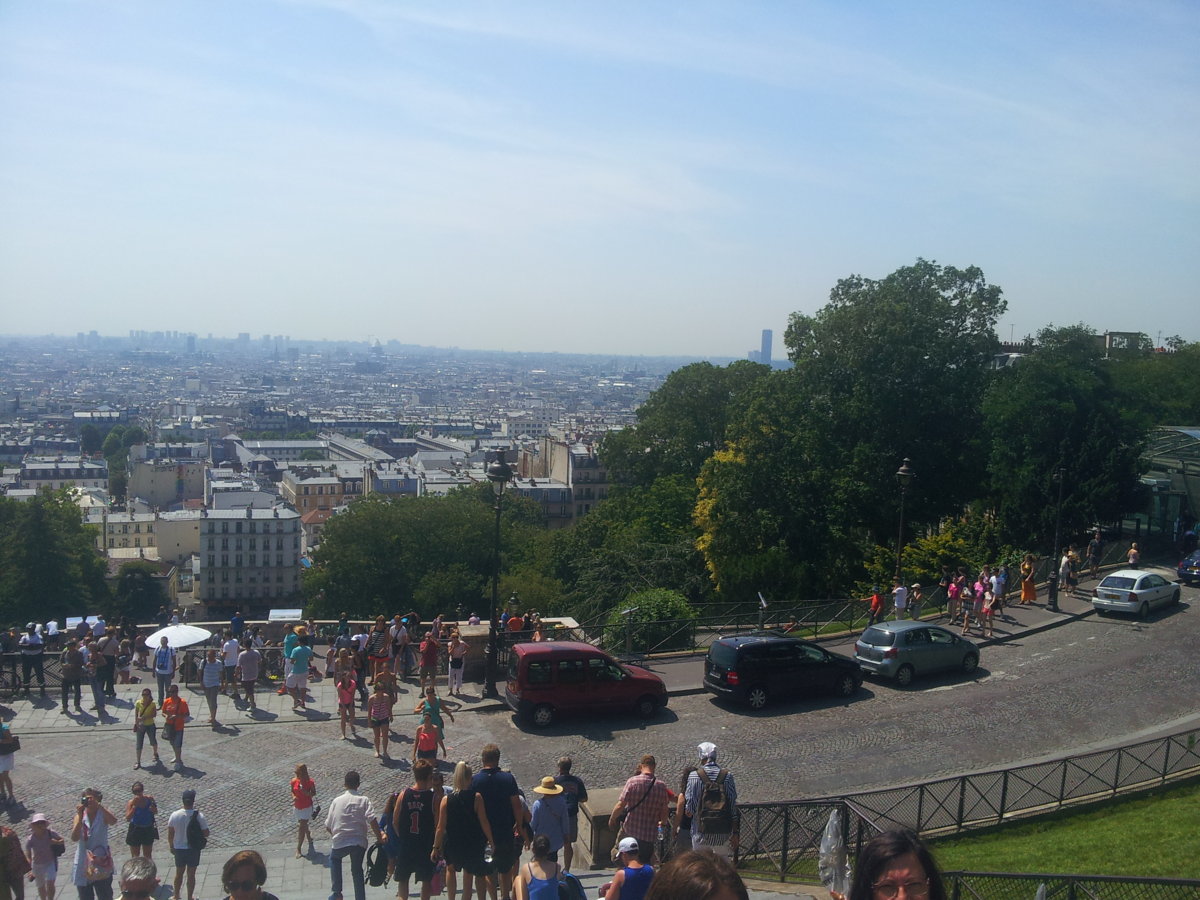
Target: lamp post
x,y
1060,475
904,477
499,473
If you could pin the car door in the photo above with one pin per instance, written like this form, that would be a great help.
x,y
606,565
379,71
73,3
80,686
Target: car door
x,y
813,667
945,650
1158,589
572,691
786,676
610,686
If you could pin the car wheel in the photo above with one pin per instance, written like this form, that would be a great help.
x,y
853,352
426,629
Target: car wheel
x,y
847,685
904,675
646,707
756,697
543,715
1144,610
1175,599
970,663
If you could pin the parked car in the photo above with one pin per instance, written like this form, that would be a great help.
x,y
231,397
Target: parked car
x,y
549,678
1189,568
1133,591
905,649
758,668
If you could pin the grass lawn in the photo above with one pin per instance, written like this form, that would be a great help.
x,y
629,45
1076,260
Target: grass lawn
x,y
1157,835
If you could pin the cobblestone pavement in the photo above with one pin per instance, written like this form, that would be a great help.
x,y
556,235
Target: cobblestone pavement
x,y
1090,683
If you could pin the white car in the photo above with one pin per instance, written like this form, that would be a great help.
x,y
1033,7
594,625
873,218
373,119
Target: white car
x,y
1133,591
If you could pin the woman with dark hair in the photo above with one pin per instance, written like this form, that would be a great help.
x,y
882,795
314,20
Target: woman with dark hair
x,y
244,875
895,864
697,875
539,878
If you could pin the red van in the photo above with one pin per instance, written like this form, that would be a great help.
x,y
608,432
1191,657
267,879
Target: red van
x,y
552,677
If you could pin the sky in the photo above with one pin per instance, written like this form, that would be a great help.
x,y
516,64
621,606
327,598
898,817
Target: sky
x,y
643,177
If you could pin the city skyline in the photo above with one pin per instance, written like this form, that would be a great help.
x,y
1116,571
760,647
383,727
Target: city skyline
x,y
628,179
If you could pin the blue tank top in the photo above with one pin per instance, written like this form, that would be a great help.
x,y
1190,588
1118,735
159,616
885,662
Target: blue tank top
x,y
142,815
637,882
542,888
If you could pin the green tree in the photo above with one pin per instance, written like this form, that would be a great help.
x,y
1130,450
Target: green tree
x,y
90,439
653,621
681,424
139,591
1058,409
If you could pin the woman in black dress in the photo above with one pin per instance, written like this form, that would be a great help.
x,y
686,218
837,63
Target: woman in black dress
x,y
463,834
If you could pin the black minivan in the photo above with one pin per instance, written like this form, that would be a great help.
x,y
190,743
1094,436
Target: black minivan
x,y
758,668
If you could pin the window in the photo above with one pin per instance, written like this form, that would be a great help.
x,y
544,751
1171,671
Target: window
x,y
253,543
918,638
211,544
571,671
224,528
538,673
603,670
253,559
224,543
940,637
238,527
212,561
237,560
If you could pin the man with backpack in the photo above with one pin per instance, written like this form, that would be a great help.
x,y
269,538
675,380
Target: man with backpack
x,y
711,802
187,833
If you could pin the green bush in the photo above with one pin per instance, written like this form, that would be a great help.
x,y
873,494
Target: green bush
x,y
661,622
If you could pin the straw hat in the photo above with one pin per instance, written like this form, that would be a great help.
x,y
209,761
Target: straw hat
x,y
548,787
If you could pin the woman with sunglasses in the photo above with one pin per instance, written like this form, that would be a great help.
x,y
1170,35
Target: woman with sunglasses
x,y
244,875
895,864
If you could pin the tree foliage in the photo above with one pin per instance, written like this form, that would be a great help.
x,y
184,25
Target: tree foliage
x,y
139,591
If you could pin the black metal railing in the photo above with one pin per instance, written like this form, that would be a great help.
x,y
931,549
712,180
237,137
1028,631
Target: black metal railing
x,y
982,799
1023,886
782,841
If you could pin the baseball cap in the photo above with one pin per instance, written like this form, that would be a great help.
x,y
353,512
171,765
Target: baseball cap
x,y
628,845
189,795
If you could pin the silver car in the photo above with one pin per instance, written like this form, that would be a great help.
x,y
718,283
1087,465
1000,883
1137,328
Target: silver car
x,y
905,649
1133,591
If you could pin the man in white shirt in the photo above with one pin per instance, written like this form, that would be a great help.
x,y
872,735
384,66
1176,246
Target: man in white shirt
x,y
229,652
187,857
350,820
98,627
900,599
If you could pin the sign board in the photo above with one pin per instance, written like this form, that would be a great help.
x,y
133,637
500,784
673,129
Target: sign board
x,y
285,615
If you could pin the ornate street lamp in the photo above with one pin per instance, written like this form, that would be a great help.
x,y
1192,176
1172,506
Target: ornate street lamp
x,y
1060,475
904,477
499,473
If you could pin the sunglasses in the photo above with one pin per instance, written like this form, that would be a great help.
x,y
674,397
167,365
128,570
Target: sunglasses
x,y
245,886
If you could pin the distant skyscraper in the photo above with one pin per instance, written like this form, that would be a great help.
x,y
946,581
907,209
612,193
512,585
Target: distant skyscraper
x,y
764,355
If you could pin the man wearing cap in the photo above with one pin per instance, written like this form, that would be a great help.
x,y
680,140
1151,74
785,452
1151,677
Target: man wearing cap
x,y
721,842
633,878
186,856
550,816
643,802
139,878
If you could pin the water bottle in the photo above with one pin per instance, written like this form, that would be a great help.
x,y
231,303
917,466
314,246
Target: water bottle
x,y
661,834
488,854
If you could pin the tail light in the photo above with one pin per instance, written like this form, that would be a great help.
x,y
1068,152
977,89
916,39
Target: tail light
x,y
891,653
731,677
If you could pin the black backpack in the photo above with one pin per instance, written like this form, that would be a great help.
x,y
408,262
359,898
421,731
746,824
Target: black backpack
x,y
195,834
377,863
715,815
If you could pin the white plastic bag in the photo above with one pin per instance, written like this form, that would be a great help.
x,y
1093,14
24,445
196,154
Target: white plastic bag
x,y
833,865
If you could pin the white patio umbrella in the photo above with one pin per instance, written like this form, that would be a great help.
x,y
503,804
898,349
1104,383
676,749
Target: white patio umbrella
x,y
178,636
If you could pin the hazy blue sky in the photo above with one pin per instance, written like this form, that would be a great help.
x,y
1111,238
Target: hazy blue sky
x,y
640,177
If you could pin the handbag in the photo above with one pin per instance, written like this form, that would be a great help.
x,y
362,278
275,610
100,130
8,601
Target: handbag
x,y
168,732
57,845
12,745
99,864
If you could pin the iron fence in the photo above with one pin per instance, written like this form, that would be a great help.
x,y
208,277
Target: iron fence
x,y
1014,886
953,805
782,841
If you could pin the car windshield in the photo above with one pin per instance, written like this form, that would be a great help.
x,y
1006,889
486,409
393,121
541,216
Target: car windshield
x,y
722,654
878,637
1118,581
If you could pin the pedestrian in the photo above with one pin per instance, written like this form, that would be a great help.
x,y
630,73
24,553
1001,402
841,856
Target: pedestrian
x,y
429,660
187,833
539,877
92,871
967,603
916,600
632,880
297,682
230,651
379,717
574,793
139,813
1133,557
463,834
304,791
33,653
433,706
1095,549
345,694
164,667
93,670
379,645
71,670
248,666
712,804
683,821
892,862
175,715
42,849
502,803
236,624
210,680
1064,571
989,614
139,878
549,816
1028,586
698,876
124,663
8,749
243,876
415,823
899,599
348,821
108,646
875,602
426,740
456,652
642,805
